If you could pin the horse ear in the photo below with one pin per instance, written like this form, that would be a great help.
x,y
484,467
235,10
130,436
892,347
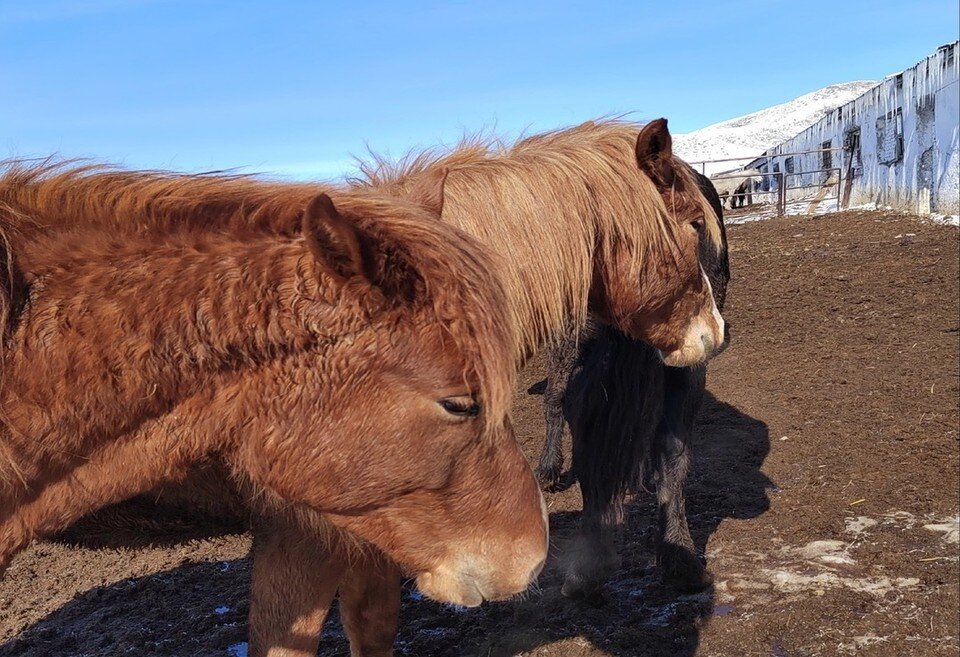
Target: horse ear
x,y
334,241
655,152
427,191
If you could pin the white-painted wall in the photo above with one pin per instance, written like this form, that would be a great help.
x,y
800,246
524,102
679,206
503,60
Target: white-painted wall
x,y
926,178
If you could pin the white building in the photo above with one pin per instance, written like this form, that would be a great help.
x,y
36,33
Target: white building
x,y
896,145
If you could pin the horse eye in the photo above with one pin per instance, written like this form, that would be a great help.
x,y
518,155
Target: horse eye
x,y
463,407
698,225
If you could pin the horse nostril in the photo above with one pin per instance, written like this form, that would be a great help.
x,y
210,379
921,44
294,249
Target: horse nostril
x,y
726,332
707,341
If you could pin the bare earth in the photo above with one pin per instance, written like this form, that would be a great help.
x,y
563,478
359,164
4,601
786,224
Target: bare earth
x,y
824,492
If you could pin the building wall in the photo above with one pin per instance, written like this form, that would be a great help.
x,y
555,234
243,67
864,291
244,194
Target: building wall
x,y
908,127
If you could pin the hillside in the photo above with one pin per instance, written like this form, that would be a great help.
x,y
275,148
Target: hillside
x,y
754,133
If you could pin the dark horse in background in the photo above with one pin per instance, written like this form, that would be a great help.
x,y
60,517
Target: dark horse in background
x,y
631,420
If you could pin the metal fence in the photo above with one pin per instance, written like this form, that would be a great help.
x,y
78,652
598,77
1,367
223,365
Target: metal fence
x,y
776,192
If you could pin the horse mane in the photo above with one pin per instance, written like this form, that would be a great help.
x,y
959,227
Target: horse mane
x,y
52,195
47,206
546,203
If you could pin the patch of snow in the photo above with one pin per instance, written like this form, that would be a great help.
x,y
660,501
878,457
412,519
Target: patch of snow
x,y
750,135
633,587
904,518
788,581
663,617
435,633
742,583
950,528
812,569
946,219
858,525
869,640
830,552
768,211
864,641
238,650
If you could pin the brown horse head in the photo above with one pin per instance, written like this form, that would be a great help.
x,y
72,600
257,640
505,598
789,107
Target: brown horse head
x,y
591,218
413,454
671,306
360,369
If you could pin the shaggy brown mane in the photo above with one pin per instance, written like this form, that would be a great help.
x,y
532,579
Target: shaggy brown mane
x,y
39,196
52,213
546,203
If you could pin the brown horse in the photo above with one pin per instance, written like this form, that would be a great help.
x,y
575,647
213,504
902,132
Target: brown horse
x,y
601,220
631,422
357,371
600,217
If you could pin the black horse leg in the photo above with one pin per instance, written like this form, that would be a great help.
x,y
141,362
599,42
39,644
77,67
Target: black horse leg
x,y
563,359
591,558
613,404
676,552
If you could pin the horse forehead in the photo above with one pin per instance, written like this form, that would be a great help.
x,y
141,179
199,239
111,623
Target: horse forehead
x,y
430,346
402,356
683,202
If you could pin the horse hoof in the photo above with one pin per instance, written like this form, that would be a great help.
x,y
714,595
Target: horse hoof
x,y
576,588
549,477
567,480
591,563
690,582
685,572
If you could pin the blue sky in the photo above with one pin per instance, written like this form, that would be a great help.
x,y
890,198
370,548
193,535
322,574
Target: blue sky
x,y
299,87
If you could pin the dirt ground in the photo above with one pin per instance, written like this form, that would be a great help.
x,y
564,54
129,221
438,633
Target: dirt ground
x,y
824,492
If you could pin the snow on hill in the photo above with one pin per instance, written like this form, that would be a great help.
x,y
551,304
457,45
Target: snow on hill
x,y
748,136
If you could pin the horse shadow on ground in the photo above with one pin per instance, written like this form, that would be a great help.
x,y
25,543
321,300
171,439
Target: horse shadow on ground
x,y
199,609
195,610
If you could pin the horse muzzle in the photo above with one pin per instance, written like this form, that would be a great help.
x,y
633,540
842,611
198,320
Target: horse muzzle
x,y
491,570
706,336
466,585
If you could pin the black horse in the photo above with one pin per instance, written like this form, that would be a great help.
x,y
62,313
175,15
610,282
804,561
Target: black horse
x,y
631,420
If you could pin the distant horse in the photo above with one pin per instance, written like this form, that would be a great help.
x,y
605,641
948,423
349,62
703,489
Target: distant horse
x,y
600,218
354,375
743,194
736,187
631,420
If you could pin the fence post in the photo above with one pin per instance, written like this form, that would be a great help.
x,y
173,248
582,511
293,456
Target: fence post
x,y
840,202
782,194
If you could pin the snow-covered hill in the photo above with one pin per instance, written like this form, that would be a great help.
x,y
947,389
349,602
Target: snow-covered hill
x,y
748,136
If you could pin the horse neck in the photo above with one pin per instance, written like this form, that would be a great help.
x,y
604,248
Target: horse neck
x,y
543,234
121,333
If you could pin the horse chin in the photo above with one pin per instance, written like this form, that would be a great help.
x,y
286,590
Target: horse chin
x,y
686,356
700,346
443,585
705,337
467,582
